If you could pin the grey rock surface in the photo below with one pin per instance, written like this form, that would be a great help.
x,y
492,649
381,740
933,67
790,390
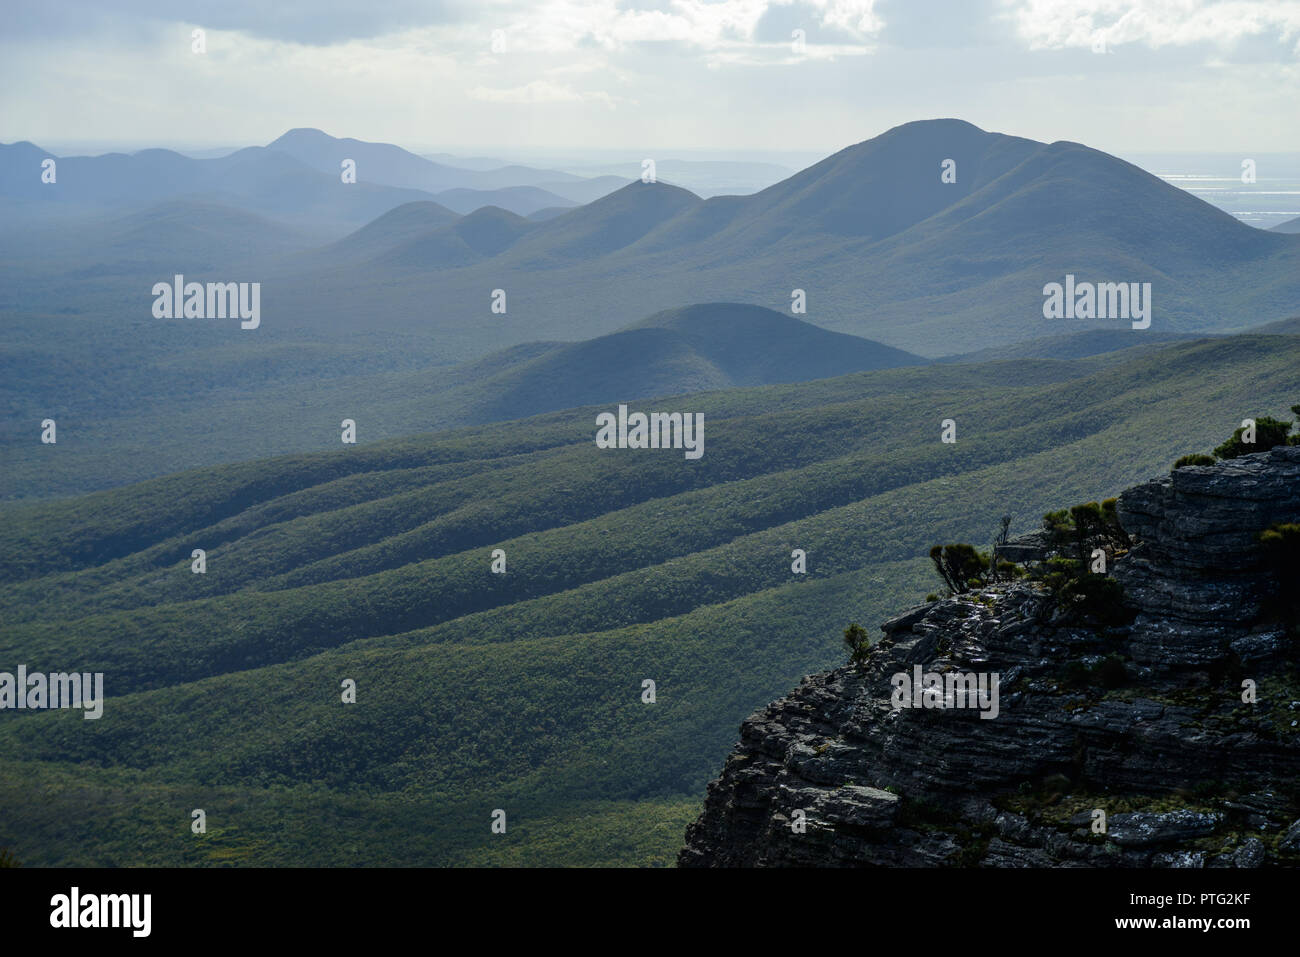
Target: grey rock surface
x,y
1185,772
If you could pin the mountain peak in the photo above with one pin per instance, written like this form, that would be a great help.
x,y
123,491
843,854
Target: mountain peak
x,y
942,124
302,135
640,191
613,221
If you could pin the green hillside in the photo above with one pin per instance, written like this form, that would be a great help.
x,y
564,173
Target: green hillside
x,y
105,439
523,691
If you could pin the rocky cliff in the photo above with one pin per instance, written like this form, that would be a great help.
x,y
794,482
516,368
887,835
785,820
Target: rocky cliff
x,y
1111,745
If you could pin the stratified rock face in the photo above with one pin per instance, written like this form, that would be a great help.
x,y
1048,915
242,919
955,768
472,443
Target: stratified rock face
x,y
1198,577
1144,723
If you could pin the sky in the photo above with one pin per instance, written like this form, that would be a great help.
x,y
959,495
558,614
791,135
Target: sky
x,y
747,77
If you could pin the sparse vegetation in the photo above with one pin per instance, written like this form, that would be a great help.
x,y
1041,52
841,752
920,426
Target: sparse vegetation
x,y
1083,528
1010,570
1269,433
962,567
858,643
1083,594
1281,544
1076,576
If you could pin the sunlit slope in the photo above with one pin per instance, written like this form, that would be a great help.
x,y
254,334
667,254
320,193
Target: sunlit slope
x,y
523,691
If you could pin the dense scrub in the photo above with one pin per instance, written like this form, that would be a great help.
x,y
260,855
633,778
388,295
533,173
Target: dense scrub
x,y
524,691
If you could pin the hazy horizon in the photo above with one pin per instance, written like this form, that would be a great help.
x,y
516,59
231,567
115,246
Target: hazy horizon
x,y
1211,175
736,74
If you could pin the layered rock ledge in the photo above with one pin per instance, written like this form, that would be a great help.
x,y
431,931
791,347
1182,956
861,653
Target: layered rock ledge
x,y
1143,722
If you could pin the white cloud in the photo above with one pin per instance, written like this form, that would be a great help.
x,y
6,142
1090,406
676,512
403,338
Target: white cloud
x,y
538,91
697,73
781,54
1057,24
556,26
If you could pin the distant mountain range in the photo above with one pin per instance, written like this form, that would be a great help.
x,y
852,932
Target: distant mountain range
x,y
882,247
473,188
522,200
394,166
295,179
263,181
1290,226
387,315
1079,345
881,244
177,232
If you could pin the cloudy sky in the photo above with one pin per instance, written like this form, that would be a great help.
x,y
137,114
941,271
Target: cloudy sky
x,y
619,74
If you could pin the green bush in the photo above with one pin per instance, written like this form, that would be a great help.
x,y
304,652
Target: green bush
x,y
1083,595
1089,525
1074,674
1269,432
1085,527
1097,598
1281,544
1057,573
858,643
1010,570
961,566
1059,525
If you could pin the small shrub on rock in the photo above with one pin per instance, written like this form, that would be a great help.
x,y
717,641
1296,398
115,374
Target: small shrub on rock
x,y
858,643
1269,432
961,566
1096,598
1281,544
